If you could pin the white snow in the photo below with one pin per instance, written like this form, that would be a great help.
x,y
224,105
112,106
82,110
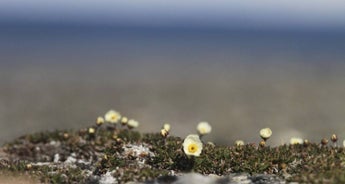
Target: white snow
x,y
56,157
107,178
137,150
70,160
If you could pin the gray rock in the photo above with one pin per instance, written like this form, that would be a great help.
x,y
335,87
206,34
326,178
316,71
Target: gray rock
x,y
195,178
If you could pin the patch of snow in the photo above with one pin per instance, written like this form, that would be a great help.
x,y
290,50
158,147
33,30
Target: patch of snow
x,y
41,163
70,160
107,178
137,150
80,161
56,157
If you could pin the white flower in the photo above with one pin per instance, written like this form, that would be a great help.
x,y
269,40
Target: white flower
x,y
296,140
265,133
112,116
124,120
100,120
204,128
91,130
239,143
164,133
334,138
166,127
132,123
192,145
65,135
344,143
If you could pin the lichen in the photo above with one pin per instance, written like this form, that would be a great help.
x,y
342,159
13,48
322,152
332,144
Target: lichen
x,y
131,156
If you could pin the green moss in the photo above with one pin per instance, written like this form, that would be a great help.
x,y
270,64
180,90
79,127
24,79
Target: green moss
x,y
16,167
65,175
302,163
129,136
139,174
44,137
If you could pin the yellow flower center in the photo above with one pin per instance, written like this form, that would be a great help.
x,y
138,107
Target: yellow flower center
x,y
192,148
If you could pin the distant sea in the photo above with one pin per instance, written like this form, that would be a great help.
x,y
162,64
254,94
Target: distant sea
x,y
64,76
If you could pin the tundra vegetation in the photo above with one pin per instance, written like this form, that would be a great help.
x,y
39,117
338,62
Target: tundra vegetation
x,y
112,150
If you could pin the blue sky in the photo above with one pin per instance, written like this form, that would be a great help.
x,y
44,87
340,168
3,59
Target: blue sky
x,y
221,13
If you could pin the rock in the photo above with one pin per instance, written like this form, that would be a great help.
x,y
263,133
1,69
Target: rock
x,y
195,178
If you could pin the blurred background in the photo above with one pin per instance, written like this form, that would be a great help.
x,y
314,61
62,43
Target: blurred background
x,y
240,65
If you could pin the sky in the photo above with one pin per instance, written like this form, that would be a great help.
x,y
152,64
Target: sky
x,y
221,13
